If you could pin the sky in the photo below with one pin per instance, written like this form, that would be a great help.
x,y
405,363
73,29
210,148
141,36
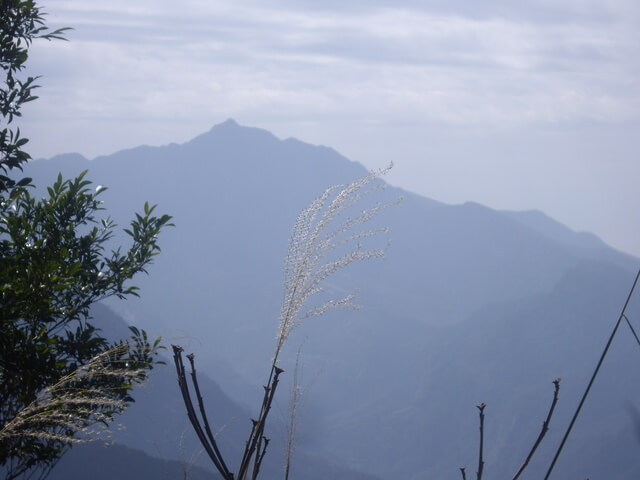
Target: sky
x,y
514,105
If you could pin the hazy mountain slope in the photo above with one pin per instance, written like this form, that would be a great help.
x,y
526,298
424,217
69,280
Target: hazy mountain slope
x,y
238,191
109,462
541,223
393,386
157,424
507,356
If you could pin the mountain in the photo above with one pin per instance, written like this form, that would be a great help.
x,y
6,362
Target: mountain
x,y
156,425
109,462
470,305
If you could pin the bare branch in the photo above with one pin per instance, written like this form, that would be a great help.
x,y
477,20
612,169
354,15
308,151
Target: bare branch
x,y
632,329
207,428
191,413
593,377
463,473
480,452
545,428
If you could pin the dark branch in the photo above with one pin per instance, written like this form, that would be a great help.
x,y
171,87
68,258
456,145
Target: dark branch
x,y
260,457
480,460
255,439
593,377
182,382
632,329
545,428
204,415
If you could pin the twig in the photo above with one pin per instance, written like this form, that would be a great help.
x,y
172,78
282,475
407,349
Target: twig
x,y
545,428
255,439
182,382
260,457
593,377
632,329
250,444
260,430
204,415
480,460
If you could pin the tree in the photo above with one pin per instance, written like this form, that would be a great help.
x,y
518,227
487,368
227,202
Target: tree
x,y
20,23
58,375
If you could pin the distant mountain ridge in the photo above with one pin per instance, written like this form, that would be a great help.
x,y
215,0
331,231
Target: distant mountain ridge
x,y
164,444
470,305
538,221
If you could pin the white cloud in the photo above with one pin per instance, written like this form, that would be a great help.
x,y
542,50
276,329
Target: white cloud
x,y
447,68
349,76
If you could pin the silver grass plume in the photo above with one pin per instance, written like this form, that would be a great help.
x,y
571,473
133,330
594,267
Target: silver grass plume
x,y
315,235
74,404
320,229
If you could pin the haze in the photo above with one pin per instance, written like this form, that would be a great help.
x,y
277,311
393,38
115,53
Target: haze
x,y
527,105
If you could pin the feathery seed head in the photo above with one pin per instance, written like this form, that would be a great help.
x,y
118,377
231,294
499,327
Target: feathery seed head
x,y
319,231
75,404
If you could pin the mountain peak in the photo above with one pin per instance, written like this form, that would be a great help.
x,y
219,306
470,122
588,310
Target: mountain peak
x,y
229,122
232,131
228,125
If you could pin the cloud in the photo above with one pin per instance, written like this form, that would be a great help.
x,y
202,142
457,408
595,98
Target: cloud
x,y
440,66
454,80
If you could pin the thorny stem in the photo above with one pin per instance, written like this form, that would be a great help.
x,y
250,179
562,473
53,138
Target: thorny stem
x,y
480,460
545,428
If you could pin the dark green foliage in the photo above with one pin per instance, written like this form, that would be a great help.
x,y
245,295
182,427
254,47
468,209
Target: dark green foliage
x,y
58,375
53,265
20,23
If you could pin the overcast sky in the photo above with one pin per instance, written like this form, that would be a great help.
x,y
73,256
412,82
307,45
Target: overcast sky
x,y
515,105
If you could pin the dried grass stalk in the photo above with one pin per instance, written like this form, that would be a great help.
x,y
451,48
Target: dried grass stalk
x,y
318,231
74,404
